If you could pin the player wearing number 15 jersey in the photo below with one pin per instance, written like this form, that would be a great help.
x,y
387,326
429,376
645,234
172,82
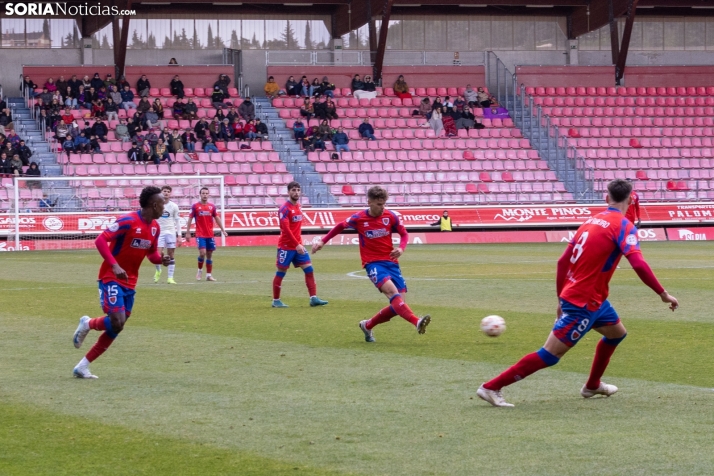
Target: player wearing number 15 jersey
x,y
291,249
123,245
582,280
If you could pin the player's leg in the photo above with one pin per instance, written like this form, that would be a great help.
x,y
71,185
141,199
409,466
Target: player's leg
x,y
608,324
201,243
303,261
392,284
172,265
161,245
277,286
210,247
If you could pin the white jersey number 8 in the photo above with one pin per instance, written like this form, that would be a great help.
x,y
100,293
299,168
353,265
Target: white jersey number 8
x,y
578,248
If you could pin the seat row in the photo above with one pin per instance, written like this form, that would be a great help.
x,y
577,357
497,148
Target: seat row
x,y
425,155
440,177
623,101
203,158
432,166
632,121
382,101
211,169
473,199
658,111
382,112
645,142
703,154
621,91
678,132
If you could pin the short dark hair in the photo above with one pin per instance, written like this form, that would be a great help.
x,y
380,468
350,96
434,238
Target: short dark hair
x,y
377,193
146,195
166,187
619,190
294,184
202,189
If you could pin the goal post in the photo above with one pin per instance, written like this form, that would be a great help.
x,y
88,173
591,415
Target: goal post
x,y
43,213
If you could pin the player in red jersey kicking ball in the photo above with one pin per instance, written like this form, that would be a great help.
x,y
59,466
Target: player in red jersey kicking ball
x,y
123,245
204,212
291,249
582,278
380,259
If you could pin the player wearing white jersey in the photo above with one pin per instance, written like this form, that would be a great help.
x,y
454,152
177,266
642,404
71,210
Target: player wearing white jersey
x,y
170,233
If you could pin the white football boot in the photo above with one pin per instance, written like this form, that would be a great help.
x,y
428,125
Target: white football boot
x,y
494,397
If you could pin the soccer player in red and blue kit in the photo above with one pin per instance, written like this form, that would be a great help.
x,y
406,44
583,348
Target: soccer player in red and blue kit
x,y
291,249
123,245
204,213
582,279
633,211
380,259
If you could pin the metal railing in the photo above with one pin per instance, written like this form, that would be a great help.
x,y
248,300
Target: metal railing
x,y
363,58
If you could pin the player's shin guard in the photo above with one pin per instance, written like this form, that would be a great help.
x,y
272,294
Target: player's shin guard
x,y
529,364
200,262
209,266
99,323
381,317
172,268
401,308
277,283
310,281
604,350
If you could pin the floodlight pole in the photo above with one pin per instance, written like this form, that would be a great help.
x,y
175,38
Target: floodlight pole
x,y
382,45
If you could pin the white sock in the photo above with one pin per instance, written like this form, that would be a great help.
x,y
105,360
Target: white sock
x,y
83,363
172,267
208,275
158,268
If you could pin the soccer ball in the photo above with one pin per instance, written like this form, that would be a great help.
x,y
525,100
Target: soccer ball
x,y
493,326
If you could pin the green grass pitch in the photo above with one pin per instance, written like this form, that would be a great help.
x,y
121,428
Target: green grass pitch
x,y
207,378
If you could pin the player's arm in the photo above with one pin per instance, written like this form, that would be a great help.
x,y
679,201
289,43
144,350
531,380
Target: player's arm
x,y
645,273
403,240
177,224
154,256
339,228
188,226
102,243
638,220
220,224
287,232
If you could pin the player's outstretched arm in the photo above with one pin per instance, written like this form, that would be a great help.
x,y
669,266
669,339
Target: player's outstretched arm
x,y
645,273
220,225
339,228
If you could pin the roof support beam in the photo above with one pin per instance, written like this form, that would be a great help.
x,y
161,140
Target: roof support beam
x,y
614,34
120,43
382,45
622,57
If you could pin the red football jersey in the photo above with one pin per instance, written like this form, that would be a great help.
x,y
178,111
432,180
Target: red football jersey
x,y
598,245
204,215
130,240
375,234
290,226
633,211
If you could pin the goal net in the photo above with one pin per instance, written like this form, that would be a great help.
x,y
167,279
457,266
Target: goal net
x,y
50,213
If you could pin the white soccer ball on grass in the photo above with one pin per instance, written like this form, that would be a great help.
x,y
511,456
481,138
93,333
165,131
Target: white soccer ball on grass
x,y
493,326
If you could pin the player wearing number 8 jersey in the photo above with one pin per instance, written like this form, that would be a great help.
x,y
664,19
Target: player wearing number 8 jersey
x,y
582,279
291,249
123,245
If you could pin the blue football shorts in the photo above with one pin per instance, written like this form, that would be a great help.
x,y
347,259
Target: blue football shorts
x,y
379,272
576,321
115,298
288,257
209,244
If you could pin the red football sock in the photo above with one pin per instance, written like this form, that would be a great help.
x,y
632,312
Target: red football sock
x,y
209,266
529,364
97,323
100,347
277,284
200,263
603,352
311,285
401,308
381,317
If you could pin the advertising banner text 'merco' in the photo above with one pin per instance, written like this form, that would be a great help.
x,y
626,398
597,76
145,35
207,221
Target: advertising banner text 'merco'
x,y
317,220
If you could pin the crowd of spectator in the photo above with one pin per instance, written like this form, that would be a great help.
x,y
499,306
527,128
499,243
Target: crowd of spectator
x,y
14,153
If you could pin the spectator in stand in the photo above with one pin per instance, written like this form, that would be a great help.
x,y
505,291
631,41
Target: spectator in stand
x,y
176,87
366,130
357,84
61,84
437,104
70,99
223,82
470,96
436,122
5,167
209,146
226,131
81,144
484,99
143,86
136,153
61,132
217,97
46,96
112,110
459,103
127,98
100,130
109,82
261,130
177,110
220,115
33,171
319,108
86,82
292,87
122,131
102,93
247,110
298,130
448,104
326,88
74,83
188,139
271,88
24,152
6,119
50,85
143,106
448,122
368,90
249,131
401,89
190,111
467,119
330,110
313,140
96,82
201,128
305,87
46,205
175,144
98,109
67,117
115,95
151,140
16,165
87,129
165,134
94,144
237,127
55,108
341,141
158,108
122,83
29,86
134,125
90,95
232,114
324,131
161,152
214,129
173,62
495,111
307,110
